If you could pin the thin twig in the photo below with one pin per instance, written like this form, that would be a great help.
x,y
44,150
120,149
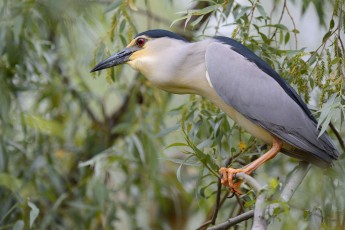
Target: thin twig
x,y
204,225
256,187
213,219
339,23
240,202
280,19
323,44
77,95
294,25
251,15
341,42
233,221
219,202
216,208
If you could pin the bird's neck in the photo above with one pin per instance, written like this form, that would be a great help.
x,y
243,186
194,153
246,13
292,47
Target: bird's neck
x,y
181,69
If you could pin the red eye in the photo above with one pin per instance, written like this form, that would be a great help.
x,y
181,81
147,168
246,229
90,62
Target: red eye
x,y
140,42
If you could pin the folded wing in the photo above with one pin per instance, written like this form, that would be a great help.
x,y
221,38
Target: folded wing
x,y
249,85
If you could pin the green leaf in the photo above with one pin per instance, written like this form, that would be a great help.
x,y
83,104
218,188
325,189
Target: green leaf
x,y
336,60
17,28
326,109
313,58
241,13
202,191
100,52
326,36
168,130
179,19
206,10
179,161
122,128
306,214
274,183
250,203
287,37
205,143
178,172
139,146
33,213
331,24
19,225
113,5
195,22
187,20
45,126
123,40
261,10
325,124
10,182
209,1
110,75
264,38
327,112
295,31
177,144
278,26
122,26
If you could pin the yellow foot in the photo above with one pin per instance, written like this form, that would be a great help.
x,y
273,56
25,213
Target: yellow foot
x,y
227,175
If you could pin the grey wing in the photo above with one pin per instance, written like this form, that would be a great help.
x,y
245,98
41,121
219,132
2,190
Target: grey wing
x,y
257,96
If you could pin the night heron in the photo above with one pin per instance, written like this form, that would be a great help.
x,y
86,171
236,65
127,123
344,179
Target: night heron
x,y
240,83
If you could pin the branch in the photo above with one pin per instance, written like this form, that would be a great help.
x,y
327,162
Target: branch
x,y
244,216
294,25
233,221
260,223
75,93
219,202
250,181
294,179
280,20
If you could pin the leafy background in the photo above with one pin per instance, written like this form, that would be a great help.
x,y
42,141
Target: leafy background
x,y
105,151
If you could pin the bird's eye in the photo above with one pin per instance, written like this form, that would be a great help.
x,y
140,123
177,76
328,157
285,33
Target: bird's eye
x,y
140,42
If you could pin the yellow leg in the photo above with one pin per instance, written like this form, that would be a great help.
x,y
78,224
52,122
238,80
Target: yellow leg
x,y
227,174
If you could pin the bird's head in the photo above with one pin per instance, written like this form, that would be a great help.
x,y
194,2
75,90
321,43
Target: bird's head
x,y
147,52
167,60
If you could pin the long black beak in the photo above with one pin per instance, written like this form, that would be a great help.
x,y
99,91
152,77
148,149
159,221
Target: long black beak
x,y
116,59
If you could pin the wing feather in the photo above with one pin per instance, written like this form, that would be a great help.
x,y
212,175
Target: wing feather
x,y
263,100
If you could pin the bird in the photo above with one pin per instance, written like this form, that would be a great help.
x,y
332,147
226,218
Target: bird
x,y
237,81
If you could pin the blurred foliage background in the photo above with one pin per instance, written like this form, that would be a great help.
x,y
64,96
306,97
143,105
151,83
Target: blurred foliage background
x,y
108,151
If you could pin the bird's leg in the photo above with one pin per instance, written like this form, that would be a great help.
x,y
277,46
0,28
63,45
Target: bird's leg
x,y
227,174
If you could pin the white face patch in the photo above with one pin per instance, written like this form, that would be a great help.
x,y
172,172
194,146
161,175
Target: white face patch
x,y
208,79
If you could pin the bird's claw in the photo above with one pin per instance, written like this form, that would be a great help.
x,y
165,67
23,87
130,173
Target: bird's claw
x,y
227,175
